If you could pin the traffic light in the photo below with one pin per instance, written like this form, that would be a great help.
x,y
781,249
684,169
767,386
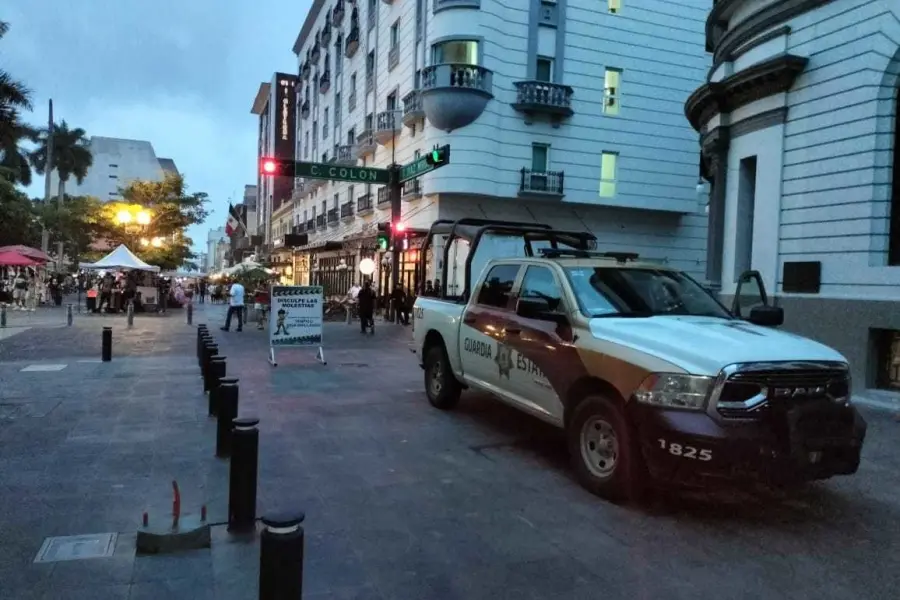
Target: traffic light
x,y
276,167
438,156
383,236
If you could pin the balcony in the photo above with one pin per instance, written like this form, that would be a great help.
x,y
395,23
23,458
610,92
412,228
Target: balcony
x,y
325,81
384,197
344,156
393,57
297,229
440,5
346,211
541,183
370,81
411,190
364,204
386,126
332,216
311,225
351,44
412,108
326,33
304,109
542,97
365,144
351,101
320,222
337,15
455,95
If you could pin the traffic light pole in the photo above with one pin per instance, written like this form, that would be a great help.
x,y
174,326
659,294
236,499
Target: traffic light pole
x,y
396,208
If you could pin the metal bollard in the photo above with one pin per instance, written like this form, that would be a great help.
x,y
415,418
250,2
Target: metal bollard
x,y
106,349
209,350
190,313
214,395
281,557
217,370
204,342
202,338
130,313
201,329
228,409
69,315
242,476
3,316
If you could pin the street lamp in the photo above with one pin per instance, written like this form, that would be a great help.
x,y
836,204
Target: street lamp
x,y
123,217
143,218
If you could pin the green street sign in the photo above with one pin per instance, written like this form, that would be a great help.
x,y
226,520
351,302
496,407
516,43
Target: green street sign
x,y
336,172
435,159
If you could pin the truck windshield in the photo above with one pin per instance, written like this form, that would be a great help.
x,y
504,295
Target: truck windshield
x,y
641,292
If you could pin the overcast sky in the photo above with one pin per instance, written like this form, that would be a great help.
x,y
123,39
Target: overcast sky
x,y
181,74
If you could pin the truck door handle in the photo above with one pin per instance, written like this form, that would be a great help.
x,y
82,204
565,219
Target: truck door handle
x,y
469,319
512,331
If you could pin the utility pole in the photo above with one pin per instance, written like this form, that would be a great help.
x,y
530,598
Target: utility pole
x,y
395,188
45,233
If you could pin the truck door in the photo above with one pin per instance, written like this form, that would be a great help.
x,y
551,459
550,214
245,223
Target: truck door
x,y
483,327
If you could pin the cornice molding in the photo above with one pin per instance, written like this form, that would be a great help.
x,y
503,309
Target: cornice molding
x,y
753,83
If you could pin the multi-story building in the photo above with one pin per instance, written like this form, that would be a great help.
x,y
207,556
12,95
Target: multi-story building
x,y
567,112
798,123
117,162
213,237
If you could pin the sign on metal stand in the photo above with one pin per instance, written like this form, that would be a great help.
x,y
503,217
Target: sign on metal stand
x,y
295,318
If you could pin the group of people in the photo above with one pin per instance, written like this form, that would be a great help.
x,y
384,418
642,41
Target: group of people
x,y
25,289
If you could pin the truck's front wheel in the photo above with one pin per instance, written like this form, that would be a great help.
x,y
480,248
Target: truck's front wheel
x,y
604,453
441,386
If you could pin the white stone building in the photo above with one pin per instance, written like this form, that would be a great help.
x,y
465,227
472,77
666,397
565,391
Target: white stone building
x,y
567,112
117,162
798,128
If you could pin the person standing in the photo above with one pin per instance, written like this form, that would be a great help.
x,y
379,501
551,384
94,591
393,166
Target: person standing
x,y
366,302
236,307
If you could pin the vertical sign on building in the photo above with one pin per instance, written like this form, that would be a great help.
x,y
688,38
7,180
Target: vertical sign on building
x,y
284,120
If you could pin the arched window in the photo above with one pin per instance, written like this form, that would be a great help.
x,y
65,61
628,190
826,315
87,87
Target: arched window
x,y
894,235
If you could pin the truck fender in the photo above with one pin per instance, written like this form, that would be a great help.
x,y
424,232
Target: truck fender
x,y
585,386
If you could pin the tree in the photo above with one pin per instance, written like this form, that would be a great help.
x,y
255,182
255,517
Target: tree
x,y
77,222
14,98
18,221
172,210
71,154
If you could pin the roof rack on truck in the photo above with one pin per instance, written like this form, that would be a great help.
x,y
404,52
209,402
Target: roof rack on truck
x,y
473,230
620,257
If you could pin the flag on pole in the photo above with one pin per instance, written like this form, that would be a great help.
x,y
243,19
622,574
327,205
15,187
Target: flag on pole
x,y
234,222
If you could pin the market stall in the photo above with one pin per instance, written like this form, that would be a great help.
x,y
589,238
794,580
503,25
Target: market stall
x,y
123,259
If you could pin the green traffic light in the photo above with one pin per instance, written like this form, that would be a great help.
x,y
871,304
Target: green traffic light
x,y
435,156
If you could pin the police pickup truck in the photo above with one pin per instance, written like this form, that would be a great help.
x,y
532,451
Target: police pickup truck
x,y
651,377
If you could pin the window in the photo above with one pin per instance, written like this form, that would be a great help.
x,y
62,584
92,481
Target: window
x,y
611,83
338,57
539,282
544,70
337,110
325,124
306,145
539,156
370,63
462,52
614,6
497,286
370,122
608,173
353,84
350,194
351,137
746,201
395,34
390,102
336,201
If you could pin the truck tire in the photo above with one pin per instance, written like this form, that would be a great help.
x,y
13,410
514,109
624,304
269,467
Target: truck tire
x,y
604,451
441,386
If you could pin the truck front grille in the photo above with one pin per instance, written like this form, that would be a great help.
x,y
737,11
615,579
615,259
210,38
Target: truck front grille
x,y
753,390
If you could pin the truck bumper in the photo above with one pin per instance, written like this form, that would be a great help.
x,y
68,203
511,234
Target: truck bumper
x,y
694,449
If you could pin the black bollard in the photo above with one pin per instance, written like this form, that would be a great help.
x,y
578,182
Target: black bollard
x,y
190,312
242,476
210,379
228,409
106,349
214,397
201,329
281,557
217,369
203,341
209,350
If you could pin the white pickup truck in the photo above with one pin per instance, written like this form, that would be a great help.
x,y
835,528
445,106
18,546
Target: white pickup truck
x,y
651,377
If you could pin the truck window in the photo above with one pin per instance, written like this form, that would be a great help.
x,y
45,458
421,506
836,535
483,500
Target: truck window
x,y
539,282
498,285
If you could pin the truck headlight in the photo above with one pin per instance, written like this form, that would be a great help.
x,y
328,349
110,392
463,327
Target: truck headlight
x,y
675,390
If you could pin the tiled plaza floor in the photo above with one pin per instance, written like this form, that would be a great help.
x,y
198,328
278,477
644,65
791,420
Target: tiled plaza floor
x,y
403,502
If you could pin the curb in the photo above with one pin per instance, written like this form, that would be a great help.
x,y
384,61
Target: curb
x,y
877,403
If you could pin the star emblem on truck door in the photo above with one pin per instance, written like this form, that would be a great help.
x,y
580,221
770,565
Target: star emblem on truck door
x,y
504,359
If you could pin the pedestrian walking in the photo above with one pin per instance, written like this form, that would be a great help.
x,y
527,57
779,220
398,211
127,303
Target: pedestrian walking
x,y
366,302
236,307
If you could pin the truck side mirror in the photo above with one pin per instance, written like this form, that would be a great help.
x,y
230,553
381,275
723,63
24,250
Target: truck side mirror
x,y
752,303
532,308
766,316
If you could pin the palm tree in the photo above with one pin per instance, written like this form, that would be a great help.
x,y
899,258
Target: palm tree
x,y
14,97
71,154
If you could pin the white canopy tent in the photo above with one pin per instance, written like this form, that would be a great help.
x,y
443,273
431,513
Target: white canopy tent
x,y
120,258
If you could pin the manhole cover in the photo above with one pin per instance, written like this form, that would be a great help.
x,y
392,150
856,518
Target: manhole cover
x,y
76,547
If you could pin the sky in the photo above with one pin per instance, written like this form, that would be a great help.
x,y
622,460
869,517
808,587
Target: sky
x,y
181,74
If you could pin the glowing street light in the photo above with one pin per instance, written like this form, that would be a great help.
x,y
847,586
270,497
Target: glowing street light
x,y
123,217
143,218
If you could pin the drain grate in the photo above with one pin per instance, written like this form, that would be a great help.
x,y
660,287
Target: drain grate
x,y
77,547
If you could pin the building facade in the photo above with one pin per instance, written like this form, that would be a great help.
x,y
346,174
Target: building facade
x,y
798,125
117,162
275,105
214,262
565,112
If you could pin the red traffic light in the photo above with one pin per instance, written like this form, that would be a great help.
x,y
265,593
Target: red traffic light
x,y
399,227
269,166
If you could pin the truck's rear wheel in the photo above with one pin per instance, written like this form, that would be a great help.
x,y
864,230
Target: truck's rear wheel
x,y
604,453
441,386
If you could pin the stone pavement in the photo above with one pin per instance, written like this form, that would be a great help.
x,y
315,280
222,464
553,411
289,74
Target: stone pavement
x,y
403,501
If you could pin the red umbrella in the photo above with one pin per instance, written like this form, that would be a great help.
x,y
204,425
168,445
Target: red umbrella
x,y
11,259
32,253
